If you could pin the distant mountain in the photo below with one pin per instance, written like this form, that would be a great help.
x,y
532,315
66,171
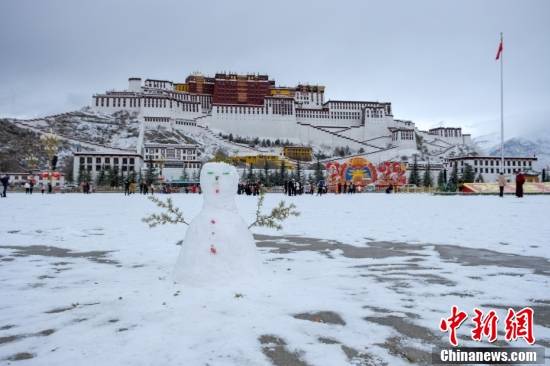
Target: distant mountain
x,y
485,143
519,146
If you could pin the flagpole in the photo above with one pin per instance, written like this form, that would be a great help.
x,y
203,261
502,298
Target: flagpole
x,y
501,106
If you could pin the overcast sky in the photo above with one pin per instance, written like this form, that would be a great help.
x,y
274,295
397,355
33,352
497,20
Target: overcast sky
x,y
434,60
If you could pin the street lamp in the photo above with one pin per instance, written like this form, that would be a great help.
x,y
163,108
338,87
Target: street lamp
x,y
50,141
32,162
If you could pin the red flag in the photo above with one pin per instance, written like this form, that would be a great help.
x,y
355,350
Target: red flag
x,y
500,48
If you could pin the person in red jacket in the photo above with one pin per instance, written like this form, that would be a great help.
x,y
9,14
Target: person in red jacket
x,y
520,179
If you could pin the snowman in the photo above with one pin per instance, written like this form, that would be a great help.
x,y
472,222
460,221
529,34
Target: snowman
x,y
218,248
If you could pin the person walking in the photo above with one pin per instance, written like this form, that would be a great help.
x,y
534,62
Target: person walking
x,y
127,187
5,182
42,188
520,180
501,184
31,183
27,187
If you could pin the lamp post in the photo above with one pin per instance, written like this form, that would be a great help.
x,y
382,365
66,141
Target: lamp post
x,y
161,162
32,162
50,141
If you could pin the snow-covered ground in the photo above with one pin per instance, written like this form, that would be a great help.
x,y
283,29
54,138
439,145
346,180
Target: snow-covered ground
x,y
357,279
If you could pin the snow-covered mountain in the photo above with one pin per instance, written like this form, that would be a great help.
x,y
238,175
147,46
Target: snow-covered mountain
x,y
517,146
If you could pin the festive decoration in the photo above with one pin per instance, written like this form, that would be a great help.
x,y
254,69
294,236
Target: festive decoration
x,y
362,172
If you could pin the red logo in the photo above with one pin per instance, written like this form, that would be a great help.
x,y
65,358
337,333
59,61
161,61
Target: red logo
x,y
520,325
517,325
485,325
452,323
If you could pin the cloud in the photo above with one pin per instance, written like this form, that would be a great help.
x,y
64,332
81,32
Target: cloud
x,y
433,60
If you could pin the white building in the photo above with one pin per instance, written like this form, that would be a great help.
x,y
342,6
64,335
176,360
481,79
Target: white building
x,y
252,106
170,160
122,161
489,166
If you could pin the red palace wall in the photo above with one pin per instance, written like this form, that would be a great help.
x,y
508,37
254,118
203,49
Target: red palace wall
x,y
200,85
240,91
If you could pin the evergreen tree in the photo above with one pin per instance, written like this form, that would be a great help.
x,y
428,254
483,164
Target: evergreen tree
x,y
68,167
441,180
282,172
83,176
114,179
101,178
414,177
427,178
132,176
150,173
266,173
250,175
196,176
318,171
299,175
452,185
468,176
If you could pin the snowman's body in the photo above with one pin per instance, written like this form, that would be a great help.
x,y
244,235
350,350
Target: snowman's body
x,y
218,248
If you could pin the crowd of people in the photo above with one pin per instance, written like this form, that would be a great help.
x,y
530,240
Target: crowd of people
x,y
249,188
347,187
291,187
29,187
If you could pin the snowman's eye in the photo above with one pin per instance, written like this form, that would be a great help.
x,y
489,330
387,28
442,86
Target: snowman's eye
x,y
210,173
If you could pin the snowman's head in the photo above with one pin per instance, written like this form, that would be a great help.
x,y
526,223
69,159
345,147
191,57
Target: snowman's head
x,y
219,181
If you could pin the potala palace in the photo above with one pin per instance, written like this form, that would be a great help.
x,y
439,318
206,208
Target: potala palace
x,y
176,127
254,106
